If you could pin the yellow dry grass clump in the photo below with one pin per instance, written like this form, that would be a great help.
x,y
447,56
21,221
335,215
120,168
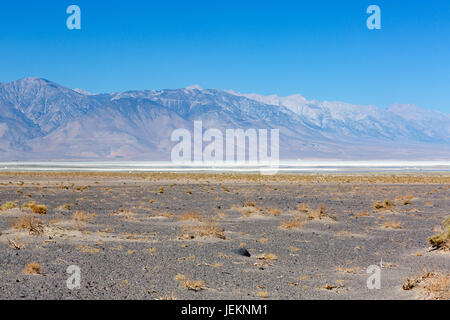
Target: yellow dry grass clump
x,y
32,268
168,215
250,208
441,241
405,200
361,214
384,205
221,215
274,211
266,256
88,249
16,243
303,207
194,216
295,223
434,286
34,226
438,287
207,229
170,296
81,216
194,285
8,206
392,225
180,277
321,213
36,208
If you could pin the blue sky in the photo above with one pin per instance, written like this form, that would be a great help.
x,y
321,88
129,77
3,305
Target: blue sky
x,y
320,49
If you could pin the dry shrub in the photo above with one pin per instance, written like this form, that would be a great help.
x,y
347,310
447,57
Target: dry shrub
x,y
405,200
36,208
195,285
81,216
266,256
292,224
442,241
329,286
7,206
189,216
262,294
32,268
432,286
384,205
411,283
66,207
88,249
222,215
321,213
249,203
207,229
168,215
303,207
361,214
128,215
170,296
16,243
180,277
34,226
81,188
392,225
437,287
274,211
348,270
250,208
151,250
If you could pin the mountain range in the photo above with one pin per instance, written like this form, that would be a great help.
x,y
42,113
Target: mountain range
x,y
42,120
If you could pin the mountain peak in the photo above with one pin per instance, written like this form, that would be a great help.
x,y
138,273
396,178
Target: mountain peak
x,y
32,80
45,120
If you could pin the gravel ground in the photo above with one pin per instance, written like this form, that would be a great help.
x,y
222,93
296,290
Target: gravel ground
x,y
147,237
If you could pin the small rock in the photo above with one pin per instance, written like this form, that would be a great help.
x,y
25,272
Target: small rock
x,y
243,252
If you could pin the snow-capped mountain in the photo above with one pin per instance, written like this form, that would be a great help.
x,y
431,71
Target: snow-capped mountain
x,y
42,120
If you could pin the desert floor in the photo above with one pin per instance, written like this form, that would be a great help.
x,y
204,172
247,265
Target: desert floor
x,y
176,236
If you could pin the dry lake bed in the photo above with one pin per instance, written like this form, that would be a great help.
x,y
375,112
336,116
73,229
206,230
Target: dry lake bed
x,y
186,236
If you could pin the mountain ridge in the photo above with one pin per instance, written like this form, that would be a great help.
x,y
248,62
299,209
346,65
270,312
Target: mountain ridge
x,y
43,120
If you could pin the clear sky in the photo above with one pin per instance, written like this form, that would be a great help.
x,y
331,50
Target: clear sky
x,y
320,49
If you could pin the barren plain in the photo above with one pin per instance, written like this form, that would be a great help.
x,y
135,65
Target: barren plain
x,y
186,236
